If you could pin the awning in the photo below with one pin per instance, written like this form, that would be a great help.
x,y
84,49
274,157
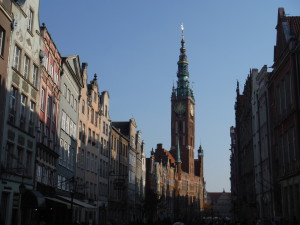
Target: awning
x,y
56,200
33,199
78,202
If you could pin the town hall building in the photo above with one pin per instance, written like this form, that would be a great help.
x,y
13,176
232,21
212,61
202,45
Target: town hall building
x,y
175,175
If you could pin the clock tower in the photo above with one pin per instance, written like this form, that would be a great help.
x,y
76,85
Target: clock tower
x,y
183,114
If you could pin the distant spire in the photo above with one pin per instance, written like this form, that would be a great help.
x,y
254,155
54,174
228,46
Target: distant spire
x,y
237,87
152,152
200,151
95,76
178,160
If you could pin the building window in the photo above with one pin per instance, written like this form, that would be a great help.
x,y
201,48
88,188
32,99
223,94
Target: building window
x,y
46,136
89,135
92,116
17,58
23,111
30,20
45,62
49,106
97,140
12,105
56,78
51,71
31,117
83,105
39,173
63,120
71,128
65,91
34,75
72,100
26,66
75,105
80,131
43,99
59,180
83,133
93,138
2,39
74,131
54,112
20,156
105,110
67,125
68,95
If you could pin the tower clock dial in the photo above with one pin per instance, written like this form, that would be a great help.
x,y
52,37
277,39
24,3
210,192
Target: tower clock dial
x,y
179,108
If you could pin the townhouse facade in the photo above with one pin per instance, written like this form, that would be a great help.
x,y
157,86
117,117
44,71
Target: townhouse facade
x,y
273,161
245,183
88,146
20,109
5,34
71,84
118,177
49,95
134,197
261,143
105,152
284,117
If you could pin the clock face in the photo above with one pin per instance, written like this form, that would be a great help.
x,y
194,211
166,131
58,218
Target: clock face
x,y
192,110
179,108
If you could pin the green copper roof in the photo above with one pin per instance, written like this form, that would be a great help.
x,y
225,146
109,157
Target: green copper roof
x,y
183,84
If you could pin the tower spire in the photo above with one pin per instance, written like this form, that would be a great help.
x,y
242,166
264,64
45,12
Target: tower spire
x,y
183,84
182,36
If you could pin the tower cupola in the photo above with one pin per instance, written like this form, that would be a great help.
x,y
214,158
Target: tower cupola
x,y
200,152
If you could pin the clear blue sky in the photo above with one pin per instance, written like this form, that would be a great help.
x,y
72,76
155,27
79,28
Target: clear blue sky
x,y
133,46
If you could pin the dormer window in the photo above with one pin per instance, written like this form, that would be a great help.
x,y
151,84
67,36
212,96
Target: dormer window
x,y
30,20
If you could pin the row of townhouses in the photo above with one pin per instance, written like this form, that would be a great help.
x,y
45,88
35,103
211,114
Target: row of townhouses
x,y
62,158
265,151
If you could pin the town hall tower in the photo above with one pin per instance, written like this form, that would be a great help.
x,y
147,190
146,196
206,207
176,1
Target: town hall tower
x,y
183,114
